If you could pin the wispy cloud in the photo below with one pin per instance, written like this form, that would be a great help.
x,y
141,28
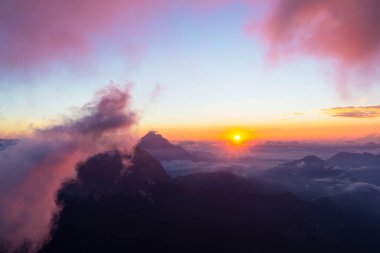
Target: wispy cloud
x,y
355,111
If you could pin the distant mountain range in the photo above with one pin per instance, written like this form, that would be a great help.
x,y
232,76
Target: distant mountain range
x,y
312,177
349,160
308,167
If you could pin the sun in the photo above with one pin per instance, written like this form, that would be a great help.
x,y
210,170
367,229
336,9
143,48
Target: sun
x,y
237,137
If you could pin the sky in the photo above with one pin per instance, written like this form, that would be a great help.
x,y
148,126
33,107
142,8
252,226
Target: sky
x,y
282,69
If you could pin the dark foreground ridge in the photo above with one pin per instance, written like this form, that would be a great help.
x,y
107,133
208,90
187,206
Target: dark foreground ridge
x,y
111,208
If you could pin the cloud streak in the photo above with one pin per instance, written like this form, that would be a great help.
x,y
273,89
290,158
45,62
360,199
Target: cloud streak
x,y
354,112
32,171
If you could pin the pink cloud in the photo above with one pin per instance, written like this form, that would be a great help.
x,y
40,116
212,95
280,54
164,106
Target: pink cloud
x,y
345,32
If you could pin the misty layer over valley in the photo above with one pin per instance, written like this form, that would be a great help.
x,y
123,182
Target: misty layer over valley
x,y
136,201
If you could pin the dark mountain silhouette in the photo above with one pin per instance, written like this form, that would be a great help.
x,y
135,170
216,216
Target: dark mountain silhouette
x,y
141,209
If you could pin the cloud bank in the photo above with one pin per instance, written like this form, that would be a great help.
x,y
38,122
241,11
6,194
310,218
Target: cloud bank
x,y
32,171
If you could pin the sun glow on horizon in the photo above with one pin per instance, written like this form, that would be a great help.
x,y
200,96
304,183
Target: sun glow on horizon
x,y
238,137
236,142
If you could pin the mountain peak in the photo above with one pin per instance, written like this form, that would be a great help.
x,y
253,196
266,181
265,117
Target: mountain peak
x,y
160,148
154,140
312,159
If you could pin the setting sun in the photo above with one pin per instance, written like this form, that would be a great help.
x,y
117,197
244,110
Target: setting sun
x,y
237,138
